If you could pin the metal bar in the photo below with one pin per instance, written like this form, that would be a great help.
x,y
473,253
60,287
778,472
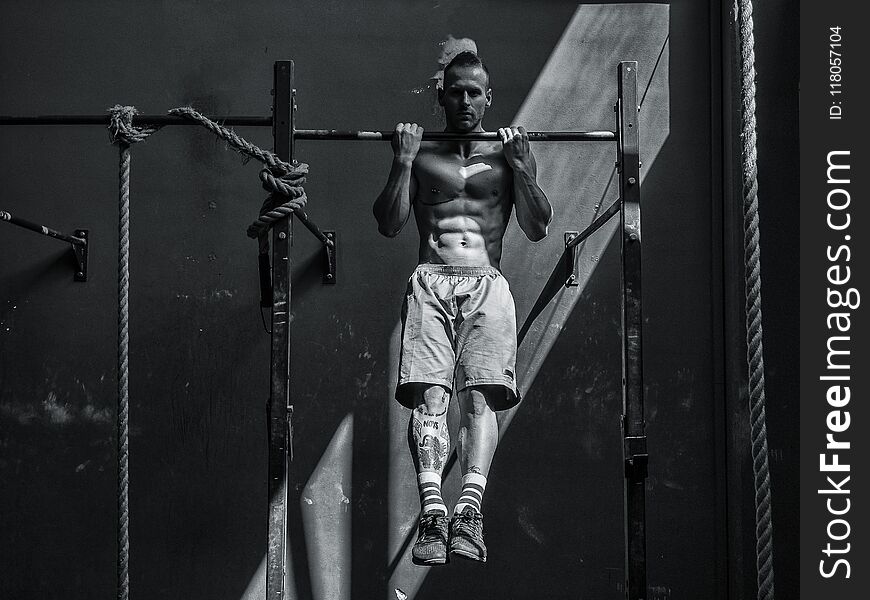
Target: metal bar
x,y
302,217
78,242
279,400
633,423
441,136
230,121
594,226
307,134
41,229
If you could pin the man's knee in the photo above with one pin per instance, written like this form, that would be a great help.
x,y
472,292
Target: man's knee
x,y
476,401
434,399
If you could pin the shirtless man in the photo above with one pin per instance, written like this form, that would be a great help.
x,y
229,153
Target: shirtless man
x,y
459,324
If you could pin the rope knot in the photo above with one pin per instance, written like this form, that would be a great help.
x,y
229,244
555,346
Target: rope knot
x,y
121,126
287,195
287,182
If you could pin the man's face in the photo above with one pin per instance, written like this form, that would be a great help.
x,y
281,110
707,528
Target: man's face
x,y
465,96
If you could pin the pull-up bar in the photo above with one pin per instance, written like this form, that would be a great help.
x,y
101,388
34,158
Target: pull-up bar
x,y
311,134
443,136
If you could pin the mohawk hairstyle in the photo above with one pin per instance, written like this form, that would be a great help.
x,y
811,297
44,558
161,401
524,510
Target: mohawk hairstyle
x,y
468,59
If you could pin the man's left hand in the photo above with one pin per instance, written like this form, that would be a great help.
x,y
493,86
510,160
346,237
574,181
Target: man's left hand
x,y
515,145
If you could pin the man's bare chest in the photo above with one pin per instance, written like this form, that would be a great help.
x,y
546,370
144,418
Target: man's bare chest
x,y
484,177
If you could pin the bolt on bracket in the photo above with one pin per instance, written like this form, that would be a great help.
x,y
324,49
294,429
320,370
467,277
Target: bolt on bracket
x,y
81,254
572,273
329,258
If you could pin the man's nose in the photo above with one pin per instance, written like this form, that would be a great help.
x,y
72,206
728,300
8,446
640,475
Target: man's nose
x,y
466,99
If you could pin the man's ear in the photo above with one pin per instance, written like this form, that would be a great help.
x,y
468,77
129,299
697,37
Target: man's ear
x,y
488,97
441,96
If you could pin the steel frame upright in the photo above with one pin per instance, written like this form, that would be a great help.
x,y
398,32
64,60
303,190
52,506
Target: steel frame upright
x,y
280,410
635,454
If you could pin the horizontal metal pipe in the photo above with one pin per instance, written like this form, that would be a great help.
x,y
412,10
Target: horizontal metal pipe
x,y
440,136
309,134
41,229
138,120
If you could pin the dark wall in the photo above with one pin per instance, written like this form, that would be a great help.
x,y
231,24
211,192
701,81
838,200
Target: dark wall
x,y
199,356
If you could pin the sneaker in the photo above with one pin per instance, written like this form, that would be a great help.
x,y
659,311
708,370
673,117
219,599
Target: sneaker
x,y
431,545
466,535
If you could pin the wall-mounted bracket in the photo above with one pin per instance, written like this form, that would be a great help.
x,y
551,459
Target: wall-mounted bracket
x,y
573,239
572,274
329,258
81,253
636,457
79,241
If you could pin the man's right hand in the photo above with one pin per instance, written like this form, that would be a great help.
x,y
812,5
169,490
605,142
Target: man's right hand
x,y
406,141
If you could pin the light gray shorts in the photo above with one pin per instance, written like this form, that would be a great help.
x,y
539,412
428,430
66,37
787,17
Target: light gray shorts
x,y
459,329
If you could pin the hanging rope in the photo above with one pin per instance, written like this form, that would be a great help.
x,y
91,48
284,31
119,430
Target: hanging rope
x,y
752,274
124,135
279,178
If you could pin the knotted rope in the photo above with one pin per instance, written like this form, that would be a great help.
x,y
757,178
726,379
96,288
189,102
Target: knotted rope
x,y
124,134
290,185
279,177
752,274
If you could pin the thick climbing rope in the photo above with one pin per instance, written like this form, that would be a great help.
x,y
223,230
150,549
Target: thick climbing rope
x,y
279,178
233,139
124,135
752,274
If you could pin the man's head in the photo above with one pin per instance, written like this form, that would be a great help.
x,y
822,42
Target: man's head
x,y
466,93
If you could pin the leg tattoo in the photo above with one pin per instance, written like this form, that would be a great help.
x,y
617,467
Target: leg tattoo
x,y
431,438
430,445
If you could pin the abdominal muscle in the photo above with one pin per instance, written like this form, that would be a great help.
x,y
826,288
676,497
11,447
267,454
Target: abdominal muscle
x,y
461,239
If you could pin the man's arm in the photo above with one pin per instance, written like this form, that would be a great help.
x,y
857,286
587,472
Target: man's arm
x,y
534,212
393,206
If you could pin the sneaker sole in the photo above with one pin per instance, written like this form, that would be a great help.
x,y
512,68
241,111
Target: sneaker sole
x,y
468,555
429,562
